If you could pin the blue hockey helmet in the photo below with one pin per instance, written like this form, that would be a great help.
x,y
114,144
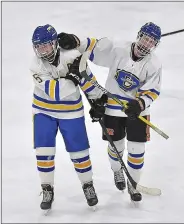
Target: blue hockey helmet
x,y
44,41
148,39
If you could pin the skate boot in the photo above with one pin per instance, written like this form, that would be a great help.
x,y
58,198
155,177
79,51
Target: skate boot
x,y
119,180
134,194
89,192
48,197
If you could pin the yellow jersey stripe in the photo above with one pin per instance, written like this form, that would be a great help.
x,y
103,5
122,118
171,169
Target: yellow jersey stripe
x,y
153,95
52,87
111,101
88,84
92,44
57,106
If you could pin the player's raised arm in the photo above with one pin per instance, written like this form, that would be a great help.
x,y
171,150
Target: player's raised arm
x,y
102,52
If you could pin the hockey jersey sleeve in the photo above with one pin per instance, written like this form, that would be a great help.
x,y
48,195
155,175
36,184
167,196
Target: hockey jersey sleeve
x,y
56,89
88,88
101,51
151,88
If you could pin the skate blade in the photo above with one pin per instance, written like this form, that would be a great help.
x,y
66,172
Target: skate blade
x,y
47,212
93,208
136,204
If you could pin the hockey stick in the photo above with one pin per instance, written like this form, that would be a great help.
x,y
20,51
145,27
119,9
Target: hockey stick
x,y
140,188
171,33
82,69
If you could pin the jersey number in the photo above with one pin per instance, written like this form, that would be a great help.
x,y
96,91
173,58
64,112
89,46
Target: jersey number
x,y
38,79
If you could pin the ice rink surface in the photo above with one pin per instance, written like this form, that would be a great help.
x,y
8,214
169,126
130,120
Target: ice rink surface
x,y
164,166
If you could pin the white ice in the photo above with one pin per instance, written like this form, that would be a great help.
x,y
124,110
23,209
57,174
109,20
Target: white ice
x,y
164,159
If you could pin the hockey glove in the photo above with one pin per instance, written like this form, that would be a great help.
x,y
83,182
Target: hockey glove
x,y
98,110
68,41
135,107
74,74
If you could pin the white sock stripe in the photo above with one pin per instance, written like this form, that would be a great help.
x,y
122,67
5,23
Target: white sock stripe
x,y
80,154
45,151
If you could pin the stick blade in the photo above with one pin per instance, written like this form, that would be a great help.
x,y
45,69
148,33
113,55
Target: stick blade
x,y
149,191
161,133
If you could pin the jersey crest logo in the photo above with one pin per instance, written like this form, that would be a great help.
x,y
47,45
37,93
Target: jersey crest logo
x,y
126,80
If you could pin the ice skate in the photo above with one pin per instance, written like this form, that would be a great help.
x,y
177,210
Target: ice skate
x,y
89,192
48,198
119,180
135,196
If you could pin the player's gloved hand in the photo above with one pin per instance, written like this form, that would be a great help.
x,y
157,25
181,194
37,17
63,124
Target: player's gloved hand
x,y
74,74
135,107
98,110
68,41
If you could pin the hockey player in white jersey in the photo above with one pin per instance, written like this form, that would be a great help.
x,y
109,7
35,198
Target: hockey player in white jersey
x,y
134,77
57,105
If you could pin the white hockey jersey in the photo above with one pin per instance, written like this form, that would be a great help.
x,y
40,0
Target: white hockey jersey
x,y
53,94
127,79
